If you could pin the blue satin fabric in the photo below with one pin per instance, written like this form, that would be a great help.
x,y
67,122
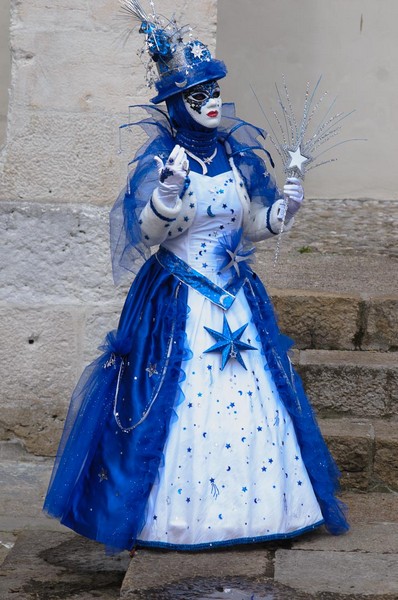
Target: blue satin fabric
x,y
104,471
103,474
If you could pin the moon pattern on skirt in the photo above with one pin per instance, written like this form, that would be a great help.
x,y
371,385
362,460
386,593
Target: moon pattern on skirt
x,y
182,84
209,211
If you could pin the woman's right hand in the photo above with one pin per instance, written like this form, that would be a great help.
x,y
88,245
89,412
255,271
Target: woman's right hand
x,y
172,175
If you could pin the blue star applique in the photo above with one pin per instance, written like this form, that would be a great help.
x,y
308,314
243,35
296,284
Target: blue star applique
x,y
228,343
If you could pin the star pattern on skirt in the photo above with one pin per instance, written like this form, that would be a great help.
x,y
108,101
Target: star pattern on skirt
x,y
229,344
103,475
152,370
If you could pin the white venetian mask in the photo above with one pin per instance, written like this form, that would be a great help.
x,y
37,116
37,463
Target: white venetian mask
x,y
203,104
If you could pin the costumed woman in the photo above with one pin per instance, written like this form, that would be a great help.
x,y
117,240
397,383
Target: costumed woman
x,y
192,429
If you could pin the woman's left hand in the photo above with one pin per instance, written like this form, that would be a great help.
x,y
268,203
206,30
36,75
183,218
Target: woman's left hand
x,y
293,191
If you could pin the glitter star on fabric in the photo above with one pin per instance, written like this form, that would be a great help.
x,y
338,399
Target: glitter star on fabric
x,y
151,370
228,343
103,475
197,51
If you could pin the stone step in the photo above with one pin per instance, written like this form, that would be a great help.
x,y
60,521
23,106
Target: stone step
x,y
357,565
362,563
366,452
49,564
338,321
348,383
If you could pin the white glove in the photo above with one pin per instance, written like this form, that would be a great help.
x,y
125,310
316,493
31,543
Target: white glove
x,y
172,175
293,192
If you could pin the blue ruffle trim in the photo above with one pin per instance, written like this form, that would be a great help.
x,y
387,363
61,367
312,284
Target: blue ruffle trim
x,y
232,542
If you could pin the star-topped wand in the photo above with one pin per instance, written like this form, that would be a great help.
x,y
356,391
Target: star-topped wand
x,y
299,144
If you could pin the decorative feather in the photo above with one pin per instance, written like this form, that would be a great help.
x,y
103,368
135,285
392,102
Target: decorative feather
x,y
134,9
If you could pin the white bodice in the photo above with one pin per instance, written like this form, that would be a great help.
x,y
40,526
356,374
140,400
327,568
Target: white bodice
x,y
219,213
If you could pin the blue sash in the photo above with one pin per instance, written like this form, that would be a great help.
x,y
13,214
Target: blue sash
x,y
223,297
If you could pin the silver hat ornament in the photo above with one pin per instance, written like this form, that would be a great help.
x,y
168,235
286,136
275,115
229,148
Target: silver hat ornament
x,y
173,64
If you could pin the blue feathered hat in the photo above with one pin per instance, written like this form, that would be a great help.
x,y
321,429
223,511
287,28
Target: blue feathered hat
x,y
174,65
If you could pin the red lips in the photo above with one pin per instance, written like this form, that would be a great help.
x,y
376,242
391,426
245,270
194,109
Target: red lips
x,y
212,114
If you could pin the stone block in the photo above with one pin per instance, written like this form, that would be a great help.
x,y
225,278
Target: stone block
x,y
60,565
42,17
62,157
73,79
371,507
37,373
351,444
393,389
104,15
344,273
24,482
370,575
362,537
81,70
151,570
342,383
7,542
12,449
386,456
324,321
55,254
23,488
382,324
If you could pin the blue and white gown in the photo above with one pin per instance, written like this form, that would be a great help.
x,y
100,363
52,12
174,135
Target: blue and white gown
x,y
232,468
192,429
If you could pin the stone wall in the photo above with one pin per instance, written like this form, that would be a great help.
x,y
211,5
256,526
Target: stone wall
x,y
5,67
353,46
73,78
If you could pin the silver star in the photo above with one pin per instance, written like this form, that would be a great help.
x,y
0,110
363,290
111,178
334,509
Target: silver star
x,y
297,160
151,370
197,51
110,362
234,262
103,475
